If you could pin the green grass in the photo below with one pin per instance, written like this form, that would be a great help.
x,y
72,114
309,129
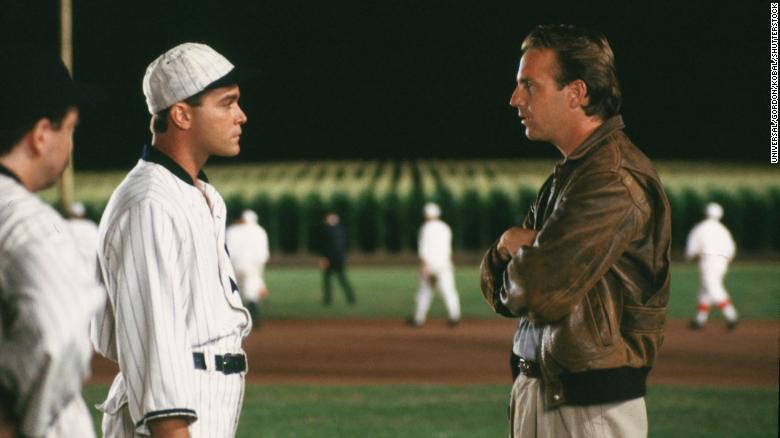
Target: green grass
x,y
474,411
754,289
389,292
688,412
480,410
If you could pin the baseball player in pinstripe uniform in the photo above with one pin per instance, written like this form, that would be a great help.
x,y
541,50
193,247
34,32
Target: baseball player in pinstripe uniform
x,y
47,296
175,321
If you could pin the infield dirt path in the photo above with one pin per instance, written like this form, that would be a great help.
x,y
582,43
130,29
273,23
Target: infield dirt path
x,y
359,351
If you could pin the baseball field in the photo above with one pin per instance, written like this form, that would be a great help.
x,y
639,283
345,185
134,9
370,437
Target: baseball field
x,y
360,371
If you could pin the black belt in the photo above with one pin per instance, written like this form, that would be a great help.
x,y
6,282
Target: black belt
x,y
529,368
226,364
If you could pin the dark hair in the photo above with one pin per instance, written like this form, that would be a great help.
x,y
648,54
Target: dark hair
x,y
9,137
160,120
582,54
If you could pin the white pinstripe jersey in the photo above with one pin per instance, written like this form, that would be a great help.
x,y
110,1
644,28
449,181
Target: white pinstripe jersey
x,y
171,291
47,298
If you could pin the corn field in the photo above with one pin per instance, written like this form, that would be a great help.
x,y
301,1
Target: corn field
x,y
380,202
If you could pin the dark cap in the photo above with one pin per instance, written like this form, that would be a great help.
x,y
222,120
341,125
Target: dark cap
x,y
36,84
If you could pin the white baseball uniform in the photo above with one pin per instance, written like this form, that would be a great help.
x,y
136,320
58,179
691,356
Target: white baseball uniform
x,y
712,244
85,233
435,251
248,245
46,301
172,295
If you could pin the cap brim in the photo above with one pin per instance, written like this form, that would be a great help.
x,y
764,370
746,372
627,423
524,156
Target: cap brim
x,y
234,77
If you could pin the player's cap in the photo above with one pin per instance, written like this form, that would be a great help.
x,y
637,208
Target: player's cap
x,y
714,211
249,216
36,84
432,210
185,71
77,209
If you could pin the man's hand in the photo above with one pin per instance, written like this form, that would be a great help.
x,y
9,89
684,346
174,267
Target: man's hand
x,y
513,239
169,427
324,263
427,274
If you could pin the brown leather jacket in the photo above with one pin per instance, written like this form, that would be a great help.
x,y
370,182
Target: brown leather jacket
x,y
597,275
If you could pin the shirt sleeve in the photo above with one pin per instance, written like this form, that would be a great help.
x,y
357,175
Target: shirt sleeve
x,y
731,246
592,225
103,332
424,244
146,269
47,300
693,245
262,249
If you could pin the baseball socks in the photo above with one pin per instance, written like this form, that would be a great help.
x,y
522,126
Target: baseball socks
x,y
730,313
702,313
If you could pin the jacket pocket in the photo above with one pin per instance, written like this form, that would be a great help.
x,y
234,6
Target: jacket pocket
x,y
601,318
644,319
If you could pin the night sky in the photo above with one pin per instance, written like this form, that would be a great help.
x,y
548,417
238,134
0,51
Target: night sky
x,y
416,79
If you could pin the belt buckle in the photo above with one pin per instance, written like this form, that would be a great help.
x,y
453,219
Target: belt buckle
x,y
226,361
526,367
232,363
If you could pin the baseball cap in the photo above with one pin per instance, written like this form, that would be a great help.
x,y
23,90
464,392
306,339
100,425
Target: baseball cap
x,y
77,209
185,71
249,216
432,210
714,210
35,85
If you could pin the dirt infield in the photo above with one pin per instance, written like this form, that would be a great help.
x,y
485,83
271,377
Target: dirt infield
x,y
347,351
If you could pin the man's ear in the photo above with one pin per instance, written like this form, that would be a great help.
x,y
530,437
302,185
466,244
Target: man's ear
x,y
578,94
181,116
39,136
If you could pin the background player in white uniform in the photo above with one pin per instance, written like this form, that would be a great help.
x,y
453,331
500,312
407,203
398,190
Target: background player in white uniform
x,y
46,295
711,242
247,242
85,233
175,320
435,251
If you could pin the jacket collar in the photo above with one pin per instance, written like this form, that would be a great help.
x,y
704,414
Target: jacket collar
x,y
611,125
153,155
7,172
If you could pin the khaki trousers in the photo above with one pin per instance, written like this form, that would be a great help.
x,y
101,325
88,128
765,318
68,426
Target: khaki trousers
x,y
528,417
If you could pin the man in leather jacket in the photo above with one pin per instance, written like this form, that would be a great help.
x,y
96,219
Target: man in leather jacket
x,y
587,273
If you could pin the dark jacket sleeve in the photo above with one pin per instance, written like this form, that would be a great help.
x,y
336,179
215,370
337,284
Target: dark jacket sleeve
x,y
590,228
491,280
493,268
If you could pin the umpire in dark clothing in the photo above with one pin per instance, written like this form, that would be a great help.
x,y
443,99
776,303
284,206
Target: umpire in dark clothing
x,y
333,248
